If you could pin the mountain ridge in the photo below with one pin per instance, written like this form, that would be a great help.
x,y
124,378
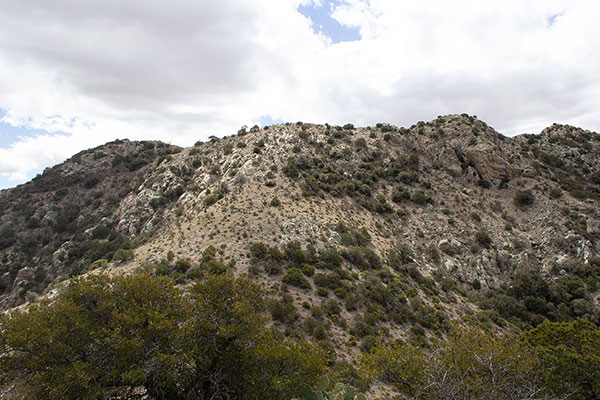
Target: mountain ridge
x,y
449,199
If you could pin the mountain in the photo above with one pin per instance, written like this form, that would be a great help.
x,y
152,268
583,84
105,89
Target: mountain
x,y
371,240
383,227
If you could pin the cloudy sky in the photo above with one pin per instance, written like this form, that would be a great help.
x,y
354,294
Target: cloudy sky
x,y
78,73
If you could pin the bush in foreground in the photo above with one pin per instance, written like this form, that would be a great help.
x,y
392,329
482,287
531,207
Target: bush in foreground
x,y
103,337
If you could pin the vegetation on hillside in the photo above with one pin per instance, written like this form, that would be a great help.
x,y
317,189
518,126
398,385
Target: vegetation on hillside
x,y
135,335
110,336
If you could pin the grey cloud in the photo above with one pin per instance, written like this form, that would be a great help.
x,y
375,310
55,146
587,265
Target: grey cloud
x,y
136,54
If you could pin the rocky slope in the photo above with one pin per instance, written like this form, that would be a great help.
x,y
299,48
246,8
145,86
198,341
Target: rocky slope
x,y
379,228
41,221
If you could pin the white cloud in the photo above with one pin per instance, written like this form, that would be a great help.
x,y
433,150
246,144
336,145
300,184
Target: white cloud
x,y
88,72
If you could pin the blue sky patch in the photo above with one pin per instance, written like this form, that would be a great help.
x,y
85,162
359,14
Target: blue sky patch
x,y
323,23
10,134
265,120
552,19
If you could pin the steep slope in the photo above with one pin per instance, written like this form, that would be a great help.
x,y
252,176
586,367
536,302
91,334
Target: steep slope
x,y
62,208
355,231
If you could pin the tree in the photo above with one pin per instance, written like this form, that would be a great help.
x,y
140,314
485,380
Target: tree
x,y
101,334
469,364
400,364
570,357
104,336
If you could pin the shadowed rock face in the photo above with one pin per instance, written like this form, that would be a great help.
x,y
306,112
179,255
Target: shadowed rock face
x,y
431,188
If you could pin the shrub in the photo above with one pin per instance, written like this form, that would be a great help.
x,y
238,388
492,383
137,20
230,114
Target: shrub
x,y
295,277
162,268
308,270
216,267
290,169
283,311
368,343
555,193
182,265
259,250
331,257
400,195
523,198
469,364
275,202
103,333
332,307
419,197
123,255
227,148
483,239
212,198
360,143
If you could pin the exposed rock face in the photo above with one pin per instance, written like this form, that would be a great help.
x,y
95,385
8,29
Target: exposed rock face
x,y
431,187
489,163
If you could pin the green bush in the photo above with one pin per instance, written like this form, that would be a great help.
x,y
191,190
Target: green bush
x,y
468,364
570,357
523,198
419,197
360,143
295,277
259,250
283,311
216,267
483,239
555,193
212,198
163,268
182,265
102,337
400,194
338,392
122,255
308,270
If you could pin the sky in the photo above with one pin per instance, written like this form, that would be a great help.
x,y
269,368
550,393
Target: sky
x,y
75,74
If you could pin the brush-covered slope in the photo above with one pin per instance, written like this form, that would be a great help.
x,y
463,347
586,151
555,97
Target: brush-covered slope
x,y
354,231
43,220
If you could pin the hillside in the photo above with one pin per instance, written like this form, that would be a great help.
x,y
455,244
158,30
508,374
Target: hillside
x,y
441,194
353,232
450,199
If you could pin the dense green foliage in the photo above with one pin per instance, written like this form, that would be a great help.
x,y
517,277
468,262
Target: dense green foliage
x,y
528,299
338,392
106,336
552,361
570,357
